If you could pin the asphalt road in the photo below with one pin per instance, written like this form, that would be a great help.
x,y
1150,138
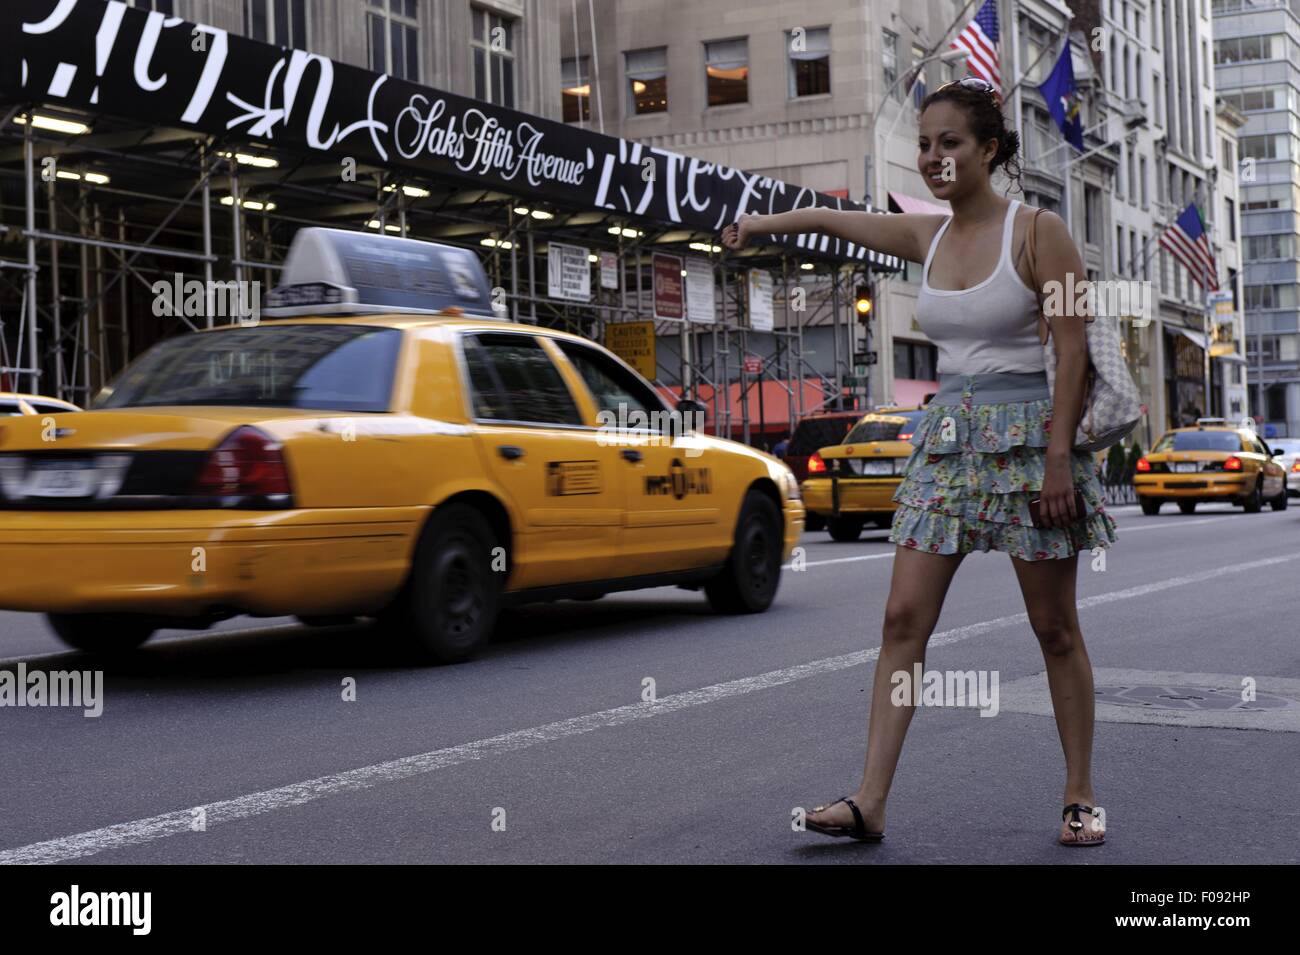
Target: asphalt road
x,y
542,750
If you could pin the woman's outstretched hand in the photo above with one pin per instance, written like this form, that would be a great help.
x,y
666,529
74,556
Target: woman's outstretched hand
x,y
737,234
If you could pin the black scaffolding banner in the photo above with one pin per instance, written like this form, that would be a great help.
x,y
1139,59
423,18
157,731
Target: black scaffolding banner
x,y
107,58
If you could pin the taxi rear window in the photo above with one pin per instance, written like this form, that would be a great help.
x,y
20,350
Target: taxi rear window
x,y
327,367
814,433
1199,441
886,427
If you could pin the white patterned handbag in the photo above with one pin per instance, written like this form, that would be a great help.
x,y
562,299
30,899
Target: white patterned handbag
x,y
1111,405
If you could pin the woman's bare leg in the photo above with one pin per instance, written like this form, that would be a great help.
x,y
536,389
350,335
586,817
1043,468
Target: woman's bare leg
x,y
1048,587
916,593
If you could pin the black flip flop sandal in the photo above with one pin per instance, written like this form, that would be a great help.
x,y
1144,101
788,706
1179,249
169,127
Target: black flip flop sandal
x,y
1076,825
857,831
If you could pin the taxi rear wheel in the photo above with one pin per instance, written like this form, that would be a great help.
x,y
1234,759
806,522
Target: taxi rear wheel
x,y
814,522
1254,503
1279,503
748,581
105,634
1187,507
845,529
449,607
1150,505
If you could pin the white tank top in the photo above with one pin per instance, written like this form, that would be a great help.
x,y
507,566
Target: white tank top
x,y
992,326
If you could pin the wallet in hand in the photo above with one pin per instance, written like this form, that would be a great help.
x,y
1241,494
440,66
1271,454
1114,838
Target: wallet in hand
x,y
1080,509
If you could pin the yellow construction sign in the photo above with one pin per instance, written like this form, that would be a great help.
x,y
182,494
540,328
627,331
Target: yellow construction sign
x,y
634,342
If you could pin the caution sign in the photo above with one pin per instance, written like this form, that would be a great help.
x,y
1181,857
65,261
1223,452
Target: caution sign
x,y
634,342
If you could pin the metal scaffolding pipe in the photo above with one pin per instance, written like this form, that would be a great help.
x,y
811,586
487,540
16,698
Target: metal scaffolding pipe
x,y
33,348
204,160
119,246
56,300
236,222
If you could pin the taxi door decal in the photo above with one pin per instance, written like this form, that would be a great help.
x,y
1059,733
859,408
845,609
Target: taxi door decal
x,y
679,481
567,478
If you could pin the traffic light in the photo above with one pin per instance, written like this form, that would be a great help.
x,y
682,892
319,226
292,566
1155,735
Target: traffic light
x,y
863,302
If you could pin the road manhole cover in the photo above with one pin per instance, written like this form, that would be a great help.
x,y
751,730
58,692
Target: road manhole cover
x,y
1205,698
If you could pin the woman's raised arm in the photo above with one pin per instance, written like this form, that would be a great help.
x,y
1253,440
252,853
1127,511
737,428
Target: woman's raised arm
x,y
906,236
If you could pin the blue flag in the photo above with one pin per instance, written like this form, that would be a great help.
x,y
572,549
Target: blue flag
x,y
1062,98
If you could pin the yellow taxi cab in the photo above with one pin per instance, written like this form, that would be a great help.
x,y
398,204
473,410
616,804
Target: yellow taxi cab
x,y
377,451
13,404
1210,461
851,483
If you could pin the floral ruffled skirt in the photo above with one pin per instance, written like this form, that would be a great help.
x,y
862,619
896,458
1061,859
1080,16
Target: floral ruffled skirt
x,y
976,467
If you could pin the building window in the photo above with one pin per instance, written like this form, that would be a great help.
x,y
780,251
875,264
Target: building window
x,y
647,80
1142,179
493,43
1040,130
1121,263
1034,38
1225,148
915,360
1249,48
726,71
1267,344
1091,214
282,22
916,76
1230,211
810,62
889,59
394,36
1275,246
575,85
1157,98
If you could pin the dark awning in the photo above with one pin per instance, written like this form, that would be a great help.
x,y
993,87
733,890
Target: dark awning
x,y
109,59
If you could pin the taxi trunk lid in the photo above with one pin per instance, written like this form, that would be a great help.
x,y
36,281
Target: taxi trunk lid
x,y
149,458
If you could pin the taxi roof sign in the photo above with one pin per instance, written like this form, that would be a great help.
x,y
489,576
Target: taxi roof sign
x,y
335,271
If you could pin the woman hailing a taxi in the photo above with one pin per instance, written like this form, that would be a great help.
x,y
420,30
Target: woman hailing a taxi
x,y
992,439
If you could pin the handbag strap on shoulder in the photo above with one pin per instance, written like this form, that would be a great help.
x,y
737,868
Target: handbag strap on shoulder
x,y
1044,328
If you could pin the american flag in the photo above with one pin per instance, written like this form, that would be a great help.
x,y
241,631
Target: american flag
x,y
1187,240
980,40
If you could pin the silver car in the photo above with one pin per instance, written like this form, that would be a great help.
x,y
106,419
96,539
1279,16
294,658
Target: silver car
x,y
1290,461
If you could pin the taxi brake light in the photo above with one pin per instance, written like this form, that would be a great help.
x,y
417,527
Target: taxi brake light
x,y
816,465
247,462
1143,465
1233,463
1295,465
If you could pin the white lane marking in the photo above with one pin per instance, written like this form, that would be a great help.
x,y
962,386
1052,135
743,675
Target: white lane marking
x,y
150,829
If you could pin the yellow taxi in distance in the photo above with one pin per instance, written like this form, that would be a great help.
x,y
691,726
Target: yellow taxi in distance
x,y
12,404
854,482
1210,461
371,452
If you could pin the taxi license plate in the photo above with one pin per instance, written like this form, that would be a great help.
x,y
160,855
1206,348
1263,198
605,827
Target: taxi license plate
x,y
1185,467
878,467
61,479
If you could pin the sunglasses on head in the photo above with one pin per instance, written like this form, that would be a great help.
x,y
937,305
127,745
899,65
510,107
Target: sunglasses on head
x,y
973,83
